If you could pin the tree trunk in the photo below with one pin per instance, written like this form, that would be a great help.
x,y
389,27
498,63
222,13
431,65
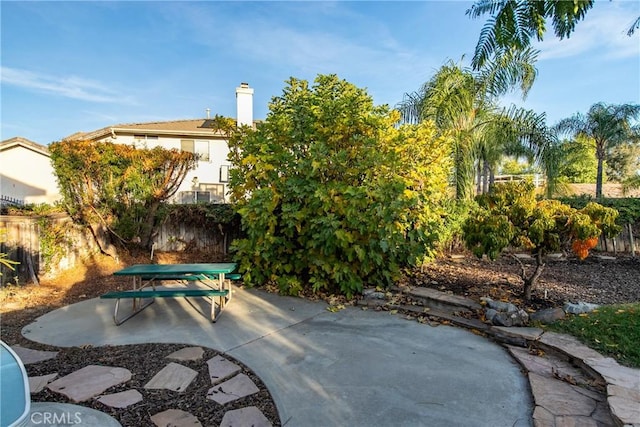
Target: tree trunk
x,y
485,177
479,178
530,282
101,236
149,226
600,155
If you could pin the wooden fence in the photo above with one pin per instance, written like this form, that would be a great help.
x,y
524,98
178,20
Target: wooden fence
x,y
625,242
26,242
39,252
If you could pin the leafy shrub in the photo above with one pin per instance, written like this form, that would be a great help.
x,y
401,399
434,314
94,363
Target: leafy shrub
x,y
332,194
510,216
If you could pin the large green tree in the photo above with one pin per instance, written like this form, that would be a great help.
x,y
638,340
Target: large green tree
x,y
117,189
608,126
333,194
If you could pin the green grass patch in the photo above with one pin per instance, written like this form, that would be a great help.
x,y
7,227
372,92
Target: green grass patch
x,y
613,330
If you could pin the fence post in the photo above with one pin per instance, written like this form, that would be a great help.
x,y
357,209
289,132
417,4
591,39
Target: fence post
x,y
632,241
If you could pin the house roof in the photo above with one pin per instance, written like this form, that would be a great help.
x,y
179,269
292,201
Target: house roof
x,y
189,127
19,141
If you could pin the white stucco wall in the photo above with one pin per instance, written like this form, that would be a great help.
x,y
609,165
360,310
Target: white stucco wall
x,y
27,175
207,171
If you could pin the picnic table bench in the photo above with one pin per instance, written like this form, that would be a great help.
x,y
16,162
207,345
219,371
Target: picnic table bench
x,y
215,278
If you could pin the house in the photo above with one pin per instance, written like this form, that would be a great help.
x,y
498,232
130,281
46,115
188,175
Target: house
x,y
208,181
26,173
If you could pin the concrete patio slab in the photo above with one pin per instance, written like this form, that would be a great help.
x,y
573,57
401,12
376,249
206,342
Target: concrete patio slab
x,y
352,367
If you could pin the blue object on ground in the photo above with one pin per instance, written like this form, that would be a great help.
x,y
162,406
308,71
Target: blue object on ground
x,y
15,398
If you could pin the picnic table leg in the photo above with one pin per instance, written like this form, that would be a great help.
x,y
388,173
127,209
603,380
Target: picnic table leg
x,y
134,311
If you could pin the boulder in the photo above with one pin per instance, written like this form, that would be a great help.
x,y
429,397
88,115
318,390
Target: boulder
x,y
548,315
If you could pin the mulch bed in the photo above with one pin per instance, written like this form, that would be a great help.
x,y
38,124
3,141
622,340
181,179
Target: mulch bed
x,y
144,361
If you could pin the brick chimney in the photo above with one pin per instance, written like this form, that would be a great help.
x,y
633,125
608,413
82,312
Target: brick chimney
x,y
244,102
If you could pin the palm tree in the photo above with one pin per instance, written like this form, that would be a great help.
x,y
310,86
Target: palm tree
x,y
514,22
462,104
607,125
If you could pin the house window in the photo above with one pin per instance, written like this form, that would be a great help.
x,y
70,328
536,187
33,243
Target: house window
x,y
206,193
187,145
197,147
224,173
202,150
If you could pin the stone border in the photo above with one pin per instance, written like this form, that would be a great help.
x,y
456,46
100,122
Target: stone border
x,y
622,383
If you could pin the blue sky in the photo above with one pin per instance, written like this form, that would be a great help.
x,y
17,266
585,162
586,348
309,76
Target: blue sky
x,y
81,66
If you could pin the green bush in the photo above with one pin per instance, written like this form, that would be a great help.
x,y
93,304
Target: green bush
x,y
510,216
628,208
332,194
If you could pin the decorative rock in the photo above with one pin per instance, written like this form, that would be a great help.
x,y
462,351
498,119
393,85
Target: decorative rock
x,y
375,295
547,316
250,416
517,318
37,384
175,418
444,298
579,308
506,307
490,314
29,356
122,399
529,334
233,389
187,353
89,381
220,369
174,377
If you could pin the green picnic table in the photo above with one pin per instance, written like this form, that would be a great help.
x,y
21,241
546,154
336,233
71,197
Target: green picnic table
x,y
214,280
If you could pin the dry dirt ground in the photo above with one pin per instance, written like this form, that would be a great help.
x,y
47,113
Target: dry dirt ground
x,y
596,280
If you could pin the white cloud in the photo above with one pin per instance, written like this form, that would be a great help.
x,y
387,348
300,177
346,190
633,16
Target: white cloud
x,y
69,87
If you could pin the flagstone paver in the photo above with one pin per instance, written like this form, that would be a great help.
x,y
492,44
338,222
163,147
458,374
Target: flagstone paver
x,y
250,416
89,381
38,383
174,377
221,368
188,353
175,418
29,356
233,389
122,399
560,398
